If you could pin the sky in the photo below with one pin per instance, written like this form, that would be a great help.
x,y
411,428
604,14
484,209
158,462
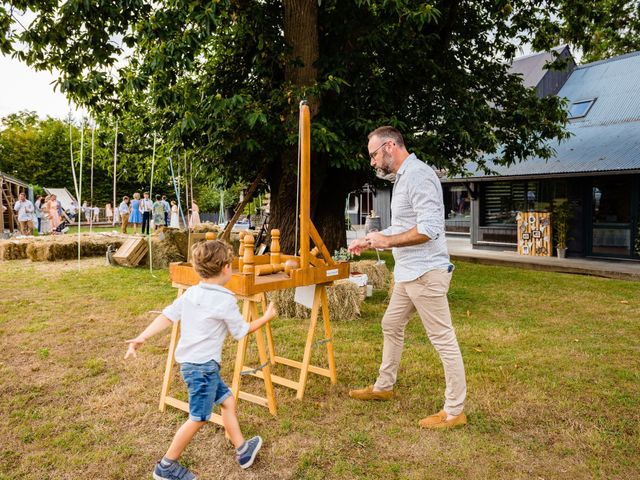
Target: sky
x,y
22,88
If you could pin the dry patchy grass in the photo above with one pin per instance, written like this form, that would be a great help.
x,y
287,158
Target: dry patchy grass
x,y
552,363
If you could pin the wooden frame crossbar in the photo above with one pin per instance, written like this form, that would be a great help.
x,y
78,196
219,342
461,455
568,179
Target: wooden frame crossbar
x,y
320,304
250,312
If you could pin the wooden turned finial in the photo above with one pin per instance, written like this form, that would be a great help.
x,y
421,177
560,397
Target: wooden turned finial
x,y
248,258
275,246
210,236
240,251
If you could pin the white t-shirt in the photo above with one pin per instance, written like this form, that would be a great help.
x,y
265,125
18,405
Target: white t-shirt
x,y
24,209
207,313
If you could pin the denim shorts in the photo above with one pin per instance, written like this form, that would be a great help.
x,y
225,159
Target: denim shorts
x,y
206,388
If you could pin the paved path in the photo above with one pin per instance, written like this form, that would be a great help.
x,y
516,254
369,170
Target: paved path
x,y
460,249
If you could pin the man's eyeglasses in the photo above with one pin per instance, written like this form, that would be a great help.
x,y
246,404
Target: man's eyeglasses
x,y
372,155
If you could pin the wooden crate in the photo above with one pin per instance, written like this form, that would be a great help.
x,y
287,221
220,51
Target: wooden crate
x,y
131,252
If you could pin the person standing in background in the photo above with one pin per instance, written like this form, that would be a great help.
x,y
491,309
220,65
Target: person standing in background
x,y
123,209
146,207
158,213
167,210
135,215
24,209
38,212
175,219
52,210
108,212
194,219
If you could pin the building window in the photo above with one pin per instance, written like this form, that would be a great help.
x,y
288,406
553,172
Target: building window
x,y
580,109
457,204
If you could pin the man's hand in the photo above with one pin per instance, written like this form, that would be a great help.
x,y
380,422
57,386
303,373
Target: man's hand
x,y
134,344
358,245
377,240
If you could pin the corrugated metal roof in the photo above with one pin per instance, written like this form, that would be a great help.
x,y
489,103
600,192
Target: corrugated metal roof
x,y
531,67
608,138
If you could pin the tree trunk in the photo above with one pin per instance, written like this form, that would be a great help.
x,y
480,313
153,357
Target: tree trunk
x,y
301,34
329,188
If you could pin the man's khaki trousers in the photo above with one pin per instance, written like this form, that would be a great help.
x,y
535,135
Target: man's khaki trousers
x,y
428,295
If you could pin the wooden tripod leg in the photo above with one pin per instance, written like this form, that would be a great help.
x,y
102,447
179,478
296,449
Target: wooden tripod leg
x,y
267,328
306,360
241,353
327,335
168,369
264,360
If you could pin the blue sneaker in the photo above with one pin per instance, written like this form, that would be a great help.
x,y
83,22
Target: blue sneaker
x,y
248,452
174,471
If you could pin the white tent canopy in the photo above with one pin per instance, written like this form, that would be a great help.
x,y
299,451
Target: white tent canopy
x,y
64,197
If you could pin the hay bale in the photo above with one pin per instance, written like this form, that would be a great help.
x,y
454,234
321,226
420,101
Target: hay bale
x,y
180,238
344,300
163,252
66,247
13,250
378,273
206,227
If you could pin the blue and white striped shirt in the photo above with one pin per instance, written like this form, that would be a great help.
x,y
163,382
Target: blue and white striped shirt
x,y
417,202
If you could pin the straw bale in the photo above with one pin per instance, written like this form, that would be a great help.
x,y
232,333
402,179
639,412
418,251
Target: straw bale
x,y
377,273
344,299
13,250
164,251
66,247
180,238
207,227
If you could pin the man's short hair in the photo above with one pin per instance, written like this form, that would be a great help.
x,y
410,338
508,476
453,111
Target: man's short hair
x,y
157,197
388,132
125,198
210,256
164,197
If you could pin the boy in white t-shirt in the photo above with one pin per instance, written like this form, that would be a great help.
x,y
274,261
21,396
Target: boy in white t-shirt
x,y
207,311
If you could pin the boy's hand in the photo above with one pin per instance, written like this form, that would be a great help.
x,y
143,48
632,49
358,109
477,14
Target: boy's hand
x,y
271,311
134,344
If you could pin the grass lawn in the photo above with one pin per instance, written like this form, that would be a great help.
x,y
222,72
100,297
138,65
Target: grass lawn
x,y
552,364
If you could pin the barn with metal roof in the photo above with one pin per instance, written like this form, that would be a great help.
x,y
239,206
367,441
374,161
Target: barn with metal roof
x,y
596,170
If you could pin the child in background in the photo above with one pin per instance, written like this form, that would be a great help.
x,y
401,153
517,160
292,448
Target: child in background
x,y
207,311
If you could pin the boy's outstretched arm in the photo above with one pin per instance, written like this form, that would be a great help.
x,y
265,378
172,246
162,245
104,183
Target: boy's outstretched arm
x,y
160,323
270,313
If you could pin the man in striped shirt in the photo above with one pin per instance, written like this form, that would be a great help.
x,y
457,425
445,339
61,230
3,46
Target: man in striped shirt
x,y
422,273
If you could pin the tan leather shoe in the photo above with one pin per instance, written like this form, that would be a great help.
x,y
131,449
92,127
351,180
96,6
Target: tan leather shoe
x,y
438,421
368,394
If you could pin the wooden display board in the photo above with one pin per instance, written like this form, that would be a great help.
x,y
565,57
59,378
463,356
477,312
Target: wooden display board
x,y
534,234
252,276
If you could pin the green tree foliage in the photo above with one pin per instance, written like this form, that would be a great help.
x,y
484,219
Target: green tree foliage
x,y
222,80
38,152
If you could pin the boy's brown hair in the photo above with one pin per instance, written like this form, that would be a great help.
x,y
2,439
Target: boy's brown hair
x,y
210,256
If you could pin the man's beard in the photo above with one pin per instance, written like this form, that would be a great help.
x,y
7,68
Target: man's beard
x,y
384,171
385,175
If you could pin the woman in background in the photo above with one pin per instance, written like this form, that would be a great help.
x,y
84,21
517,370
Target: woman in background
x,y
135,215
175,220
45,225
52,209
194,219
158,213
